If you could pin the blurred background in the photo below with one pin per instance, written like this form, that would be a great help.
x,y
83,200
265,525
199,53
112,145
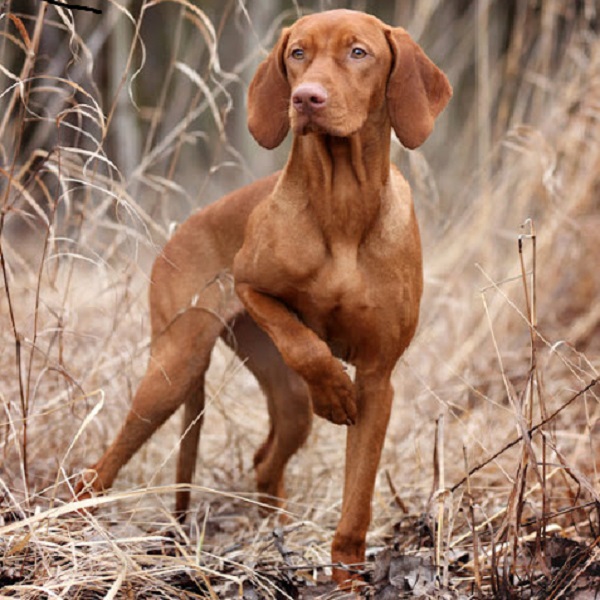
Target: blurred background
x,y
116,126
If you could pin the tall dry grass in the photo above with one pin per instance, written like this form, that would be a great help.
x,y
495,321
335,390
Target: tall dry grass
x,y
115,127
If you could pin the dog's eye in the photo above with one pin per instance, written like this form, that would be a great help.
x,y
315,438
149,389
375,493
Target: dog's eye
x,y
358,52
297,53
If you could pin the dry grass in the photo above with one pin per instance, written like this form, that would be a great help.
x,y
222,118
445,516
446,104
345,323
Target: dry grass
x,y
109,133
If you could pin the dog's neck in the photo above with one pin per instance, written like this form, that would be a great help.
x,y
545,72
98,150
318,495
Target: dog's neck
x,y
341,179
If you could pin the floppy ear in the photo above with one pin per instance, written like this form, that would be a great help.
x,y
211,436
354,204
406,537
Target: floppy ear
x,y
417,91
269,98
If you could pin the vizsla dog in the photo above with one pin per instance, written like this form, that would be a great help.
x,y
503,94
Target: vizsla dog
x,y
325,257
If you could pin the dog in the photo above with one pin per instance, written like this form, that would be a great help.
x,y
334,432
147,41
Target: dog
x,y
326,263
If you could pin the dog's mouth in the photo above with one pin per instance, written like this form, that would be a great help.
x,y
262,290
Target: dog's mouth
x,y
303,124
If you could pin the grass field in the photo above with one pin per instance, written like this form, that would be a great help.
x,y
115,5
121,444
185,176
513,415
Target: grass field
x,y
112,131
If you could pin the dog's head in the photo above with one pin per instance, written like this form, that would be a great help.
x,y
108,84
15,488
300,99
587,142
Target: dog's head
x,y
331,71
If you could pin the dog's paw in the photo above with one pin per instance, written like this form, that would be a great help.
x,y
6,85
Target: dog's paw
x,y
86,489
88,485
348,554
334,398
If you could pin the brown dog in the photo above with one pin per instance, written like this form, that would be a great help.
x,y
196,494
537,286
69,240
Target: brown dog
x,y
326,262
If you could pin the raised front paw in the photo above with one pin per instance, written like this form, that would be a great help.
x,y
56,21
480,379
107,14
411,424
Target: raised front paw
x,y
334,397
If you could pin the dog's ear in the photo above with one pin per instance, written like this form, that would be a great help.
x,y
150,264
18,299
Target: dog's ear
x,y
269,98
417,90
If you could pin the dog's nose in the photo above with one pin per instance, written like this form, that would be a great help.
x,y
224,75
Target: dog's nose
x,y
309,97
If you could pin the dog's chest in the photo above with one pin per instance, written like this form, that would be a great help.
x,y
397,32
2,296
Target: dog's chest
x,y
338,300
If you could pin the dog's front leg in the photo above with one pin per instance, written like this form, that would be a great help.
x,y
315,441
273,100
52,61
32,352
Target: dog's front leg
x,y
331,390
363,451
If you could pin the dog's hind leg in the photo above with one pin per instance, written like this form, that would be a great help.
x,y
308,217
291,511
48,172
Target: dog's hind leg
x,y
193,418
175,374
